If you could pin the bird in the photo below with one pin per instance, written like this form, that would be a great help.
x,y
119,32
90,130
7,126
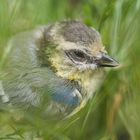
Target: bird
x,y
56,67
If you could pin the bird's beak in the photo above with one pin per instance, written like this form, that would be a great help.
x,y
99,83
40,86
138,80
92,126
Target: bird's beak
x,y
106,61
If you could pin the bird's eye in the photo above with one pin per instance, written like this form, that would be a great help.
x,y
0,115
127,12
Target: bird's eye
x,y
76,55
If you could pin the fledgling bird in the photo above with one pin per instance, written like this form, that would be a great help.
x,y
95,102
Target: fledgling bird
x,y
56,67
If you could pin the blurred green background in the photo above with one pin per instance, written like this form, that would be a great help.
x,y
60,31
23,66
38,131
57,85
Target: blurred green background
x,y
114,112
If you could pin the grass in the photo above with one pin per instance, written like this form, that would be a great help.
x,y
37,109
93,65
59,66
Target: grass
x,y
113,114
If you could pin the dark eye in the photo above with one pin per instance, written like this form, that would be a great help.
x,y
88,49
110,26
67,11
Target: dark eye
x,y
79,54
76,55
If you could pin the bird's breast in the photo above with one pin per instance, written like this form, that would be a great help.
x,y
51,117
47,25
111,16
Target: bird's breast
x,y
89,83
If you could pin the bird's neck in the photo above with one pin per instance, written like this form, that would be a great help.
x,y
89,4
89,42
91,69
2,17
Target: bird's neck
x,y
90,82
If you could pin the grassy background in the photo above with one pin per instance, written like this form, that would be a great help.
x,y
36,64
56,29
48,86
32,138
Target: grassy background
x,y
114,112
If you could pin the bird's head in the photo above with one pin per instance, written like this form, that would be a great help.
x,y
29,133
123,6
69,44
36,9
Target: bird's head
x,y
74,49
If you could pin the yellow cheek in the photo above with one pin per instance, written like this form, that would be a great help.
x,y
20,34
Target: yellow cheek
x,y
80,76
74,76
55,61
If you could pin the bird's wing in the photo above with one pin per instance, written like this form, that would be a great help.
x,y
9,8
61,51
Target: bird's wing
x,y
29,84
40,86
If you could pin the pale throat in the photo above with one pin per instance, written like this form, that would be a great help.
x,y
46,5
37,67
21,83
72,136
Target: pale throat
x,y
88,80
